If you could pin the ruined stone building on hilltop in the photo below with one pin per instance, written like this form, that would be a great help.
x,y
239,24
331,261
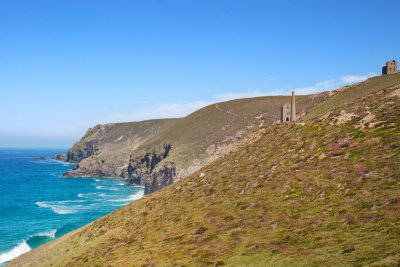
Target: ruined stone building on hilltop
x,y
391,67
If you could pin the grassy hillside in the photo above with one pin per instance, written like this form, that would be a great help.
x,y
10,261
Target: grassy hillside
x,y
354,92
196,139
316,193
201,133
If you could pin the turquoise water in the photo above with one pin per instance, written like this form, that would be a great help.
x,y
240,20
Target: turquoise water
x,y
37,206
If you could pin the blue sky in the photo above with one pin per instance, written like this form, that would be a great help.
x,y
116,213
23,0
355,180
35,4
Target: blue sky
x,y
68,65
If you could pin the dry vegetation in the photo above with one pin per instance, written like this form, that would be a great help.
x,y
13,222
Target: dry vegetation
x,y
315,193
359,90
220,124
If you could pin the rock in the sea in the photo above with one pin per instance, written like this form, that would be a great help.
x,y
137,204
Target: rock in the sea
x,y
39,158
60,156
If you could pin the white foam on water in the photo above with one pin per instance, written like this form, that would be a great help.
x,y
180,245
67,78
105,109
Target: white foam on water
x,y
133,197
107,188
23,247
69,201
15,252
50,233
42,204
86,195
59,209
97,180
62,162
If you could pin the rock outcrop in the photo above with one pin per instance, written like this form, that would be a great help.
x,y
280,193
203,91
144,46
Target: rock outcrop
x,y
105,150
77,154
60,156
88,145
161,177
144,170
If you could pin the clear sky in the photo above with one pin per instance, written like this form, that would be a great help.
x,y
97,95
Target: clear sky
x,y
68,65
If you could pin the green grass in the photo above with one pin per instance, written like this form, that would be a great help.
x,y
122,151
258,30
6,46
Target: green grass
x,y
316,193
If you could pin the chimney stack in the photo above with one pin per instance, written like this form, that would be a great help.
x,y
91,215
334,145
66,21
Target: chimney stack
x,y
293,108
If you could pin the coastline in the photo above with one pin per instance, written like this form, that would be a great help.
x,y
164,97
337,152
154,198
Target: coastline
x,y
51,207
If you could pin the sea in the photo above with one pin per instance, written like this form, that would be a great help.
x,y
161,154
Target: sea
x,y
37,205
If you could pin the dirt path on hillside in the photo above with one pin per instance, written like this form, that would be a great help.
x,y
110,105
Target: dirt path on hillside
x,y
229,112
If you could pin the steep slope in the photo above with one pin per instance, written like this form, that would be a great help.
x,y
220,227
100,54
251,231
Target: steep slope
x,y
180,147
348,94
314,193
204,136
157,153
104,150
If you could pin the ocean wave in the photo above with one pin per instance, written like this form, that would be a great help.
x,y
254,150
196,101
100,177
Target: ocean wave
x,y
61,209
69,201
27,245
86,195
133,197
45,161
50,233
67,164
107,188
62,162
15,252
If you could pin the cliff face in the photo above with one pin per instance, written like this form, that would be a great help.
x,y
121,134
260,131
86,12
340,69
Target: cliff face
x,y
146,170
160,178
78,153
105,149
89,144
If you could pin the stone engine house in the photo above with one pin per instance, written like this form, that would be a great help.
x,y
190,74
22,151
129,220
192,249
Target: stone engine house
x,y
391,67
288,111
